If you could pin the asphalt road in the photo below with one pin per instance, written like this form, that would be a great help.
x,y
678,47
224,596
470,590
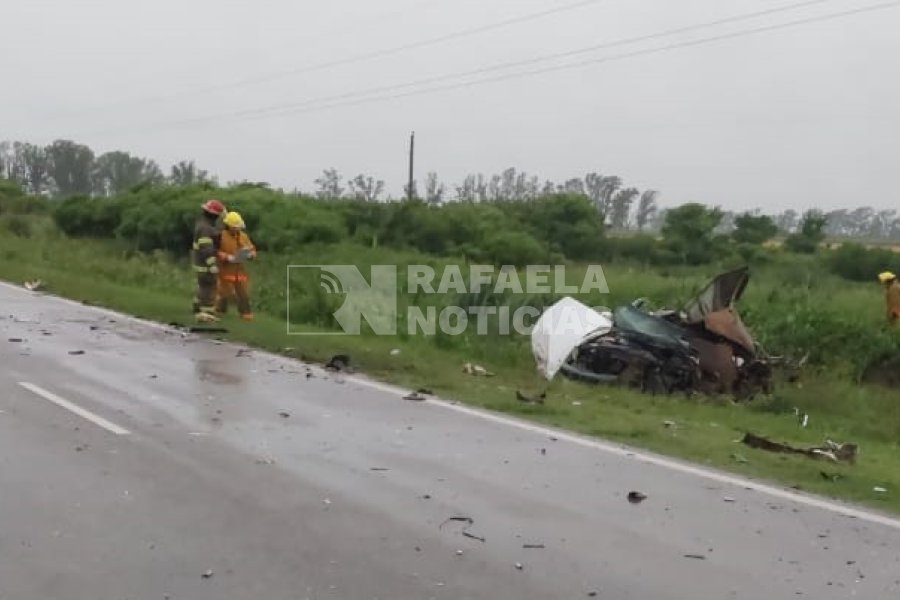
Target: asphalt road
x,y
158,466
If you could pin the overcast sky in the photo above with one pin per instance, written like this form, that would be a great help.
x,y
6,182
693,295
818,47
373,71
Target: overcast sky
x,y
798,117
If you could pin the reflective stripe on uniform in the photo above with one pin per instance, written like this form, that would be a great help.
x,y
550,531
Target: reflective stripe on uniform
x,y
235,278
211,260
199,269
204,241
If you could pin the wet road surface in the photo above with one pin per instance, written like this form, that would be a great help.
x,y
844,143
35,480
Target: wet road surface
x,y
158,466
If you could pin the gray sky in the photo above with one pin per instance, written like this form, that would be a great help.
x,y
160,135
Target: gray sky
x,y
800,117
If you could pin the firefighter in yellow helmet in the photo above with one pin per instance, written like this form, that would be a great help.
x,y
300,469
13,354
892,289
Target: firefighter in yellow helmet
x,y
892,295
235,250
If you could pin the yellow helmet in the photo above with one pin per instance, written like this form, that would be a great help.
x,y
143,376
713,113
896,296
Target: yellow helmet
x,y
234,219
886,277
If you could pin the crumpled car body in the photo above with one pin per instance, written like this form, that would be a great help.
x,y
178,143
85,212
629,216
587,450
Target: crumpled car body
x,y
703,348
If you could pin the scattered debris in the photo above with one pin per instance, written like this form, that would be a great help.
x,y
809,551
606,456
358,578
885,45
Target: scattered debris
x,y
426,497
539,399
469,522
379,469
802,418
459,552
33,285
833,477
284,414
830,450
592,594
576,403
879,490
533,546
395,352
203,317
519,566
338,362
415,397
739,458
16,340
208,574
424,391
543,452
207,330
326,502
728,499
76,352
636,497
695,556
309,375
265,461
243,352
476,370
670,424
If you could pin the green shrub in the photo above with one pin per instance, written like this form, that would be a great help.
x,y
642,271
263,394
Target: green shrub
x,y
858,263
17,225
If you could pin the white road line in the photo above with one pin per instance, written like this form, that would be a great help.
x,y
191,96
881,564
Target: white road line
x,y
74,408
596,444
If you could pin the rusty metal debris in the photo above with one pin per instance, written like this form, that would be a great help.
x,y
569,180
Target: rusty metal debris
x,y
415,397
832,451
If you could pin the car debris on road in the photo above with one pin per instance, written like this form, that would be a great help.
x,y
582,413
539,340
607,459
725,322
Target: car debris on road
x,y
830,450
636,497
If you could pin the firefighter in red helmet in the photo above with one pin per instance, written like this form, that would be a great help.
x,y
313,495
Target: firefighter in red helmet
x,y
205,250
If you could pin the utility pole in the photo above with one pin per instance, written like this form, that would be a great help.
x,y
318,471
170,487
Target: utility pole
x,y
412,152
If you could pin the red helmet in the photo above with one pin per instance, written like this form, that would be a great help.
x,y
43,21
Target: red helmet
x,y
213,207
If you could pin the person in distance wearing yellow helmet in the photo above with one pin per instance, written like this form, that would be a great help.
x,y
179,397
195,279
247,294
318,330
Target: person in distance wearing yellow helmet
x,y
235,249
892,295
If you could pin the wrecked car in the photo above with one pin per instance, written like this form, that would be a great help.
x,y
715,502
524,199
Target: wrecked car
x,y
705,347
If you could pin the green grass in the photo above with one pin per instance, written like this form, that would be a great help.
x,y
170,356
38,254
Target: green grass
x,y
152,286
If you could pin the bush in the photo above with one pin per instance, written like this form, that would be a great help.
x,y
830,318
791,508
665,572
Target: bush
x,y
17,225
858,263
514,248
80,216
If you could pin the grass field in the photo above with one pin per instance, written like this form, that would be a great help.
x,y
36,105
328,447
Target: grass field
x,y
792,306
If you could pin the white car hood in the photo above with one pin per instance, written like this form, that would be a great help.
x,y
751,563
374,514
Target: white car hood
x,y
561,329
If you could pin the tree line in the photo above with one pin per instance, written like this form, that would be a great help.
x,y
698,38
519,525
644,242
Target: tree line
x,y
65,168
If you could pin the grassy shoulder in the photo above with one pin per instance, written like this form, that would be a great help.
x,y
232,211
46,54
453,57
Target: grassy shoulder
x,y
705,430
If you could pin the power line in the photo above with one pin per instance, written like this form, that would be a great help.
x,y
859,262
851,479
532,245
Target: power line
x,y
288,110
455,35
518,63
